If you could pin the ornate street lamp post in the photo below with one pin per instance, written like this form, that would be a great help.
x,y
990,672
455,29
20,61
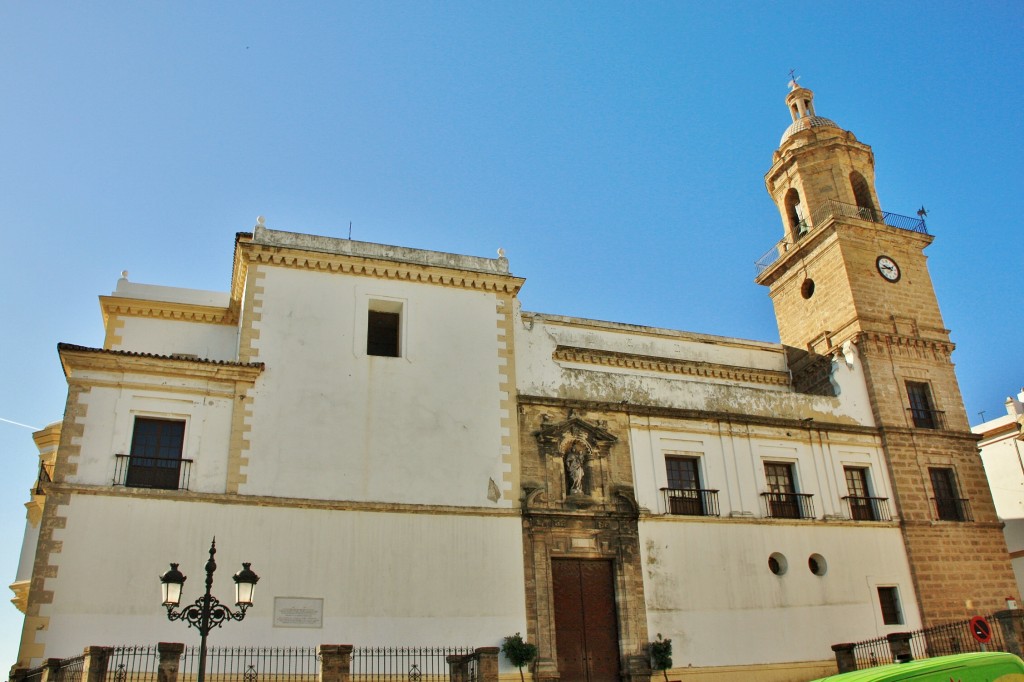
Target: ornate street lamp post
x,y
207,612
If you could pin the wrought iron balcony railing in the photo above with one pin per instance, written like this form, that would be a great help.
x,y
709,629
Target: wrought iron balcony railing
x,y
788,505
923,418
166,473
45,476
832,209
953,509
868,508
691,502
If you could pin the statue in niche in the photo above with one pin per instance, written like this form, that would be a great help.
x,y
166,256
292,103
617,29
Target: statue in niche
x,y
574,461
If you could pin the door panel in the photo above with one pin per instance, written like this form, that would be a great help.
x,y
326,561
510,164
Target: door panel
x,y
586,626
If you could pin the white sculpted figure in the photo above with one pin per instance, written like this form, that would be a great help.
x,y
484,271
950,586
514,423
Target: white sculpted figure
x,y
574,462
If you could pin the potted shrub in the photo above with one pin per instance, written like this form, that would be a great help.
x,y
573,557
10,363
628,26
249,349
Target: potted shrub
x,y
518,652
661,655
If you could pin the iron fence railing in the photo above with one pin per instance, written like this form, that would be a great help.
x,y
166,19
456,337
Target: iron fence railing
x,y
868,508
788,505
464,667
167,473
269,664
691,502
872,652
45,476
70,669
253,664
939,640
35,674
132,664
404,663
952,509
954,638
831,209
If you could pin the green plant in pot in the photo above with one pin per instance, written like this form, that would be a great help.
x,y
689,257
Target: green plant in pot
x,y
518,652
661,655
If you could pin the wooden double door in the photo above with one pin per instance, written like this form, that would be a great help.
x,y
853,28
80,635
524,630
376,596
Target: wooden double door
x,y
586,623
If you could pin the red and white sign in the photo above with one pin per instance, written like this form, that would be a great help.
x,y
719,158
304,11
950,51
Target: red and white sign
x,y
981,630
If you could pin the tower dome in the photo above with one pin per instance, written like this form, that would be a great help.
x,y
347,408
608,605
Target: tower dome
x,y
801,107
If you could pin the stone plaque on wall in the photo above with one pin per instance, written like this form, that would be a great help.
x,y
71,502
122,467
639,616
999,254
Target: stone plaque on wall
x,y
298,612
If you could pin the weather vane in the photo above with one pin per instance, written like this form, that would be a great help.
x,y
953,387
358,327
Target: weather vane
x,y
793,78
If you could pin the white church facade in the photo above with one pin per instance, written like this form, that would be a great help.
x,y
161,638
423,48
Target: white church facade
x,y
398,448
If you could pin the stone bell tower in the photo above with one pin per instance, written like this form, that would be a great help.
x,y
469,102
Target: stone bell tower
x,y
848,275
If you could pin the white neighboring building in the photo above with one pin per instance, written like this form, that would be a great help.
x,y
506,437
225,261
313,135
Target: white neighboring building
x,y
1002,453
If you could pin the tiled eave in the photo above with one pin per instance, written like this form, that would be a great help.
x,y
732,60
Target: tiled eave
x,y
77,358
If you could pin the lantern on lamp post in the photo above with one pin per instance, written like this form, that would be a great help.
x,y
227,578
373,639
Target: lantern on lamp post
x,y
207,612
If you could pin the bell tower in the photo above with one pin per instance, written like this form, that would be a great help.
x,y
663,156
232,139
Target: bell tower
x,y
846,274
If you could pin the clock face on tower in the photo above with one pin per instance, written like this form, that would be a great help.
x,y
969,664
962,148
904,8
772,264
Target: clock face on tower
x,y
888,268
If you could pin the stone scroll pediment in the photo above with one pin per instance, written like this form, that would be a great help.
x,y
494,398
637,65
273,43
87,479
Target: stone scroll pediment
x,y
555,440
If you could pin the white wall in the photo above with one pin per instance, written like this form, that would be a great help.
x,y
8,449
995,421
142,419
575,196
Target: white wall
x,y
539,374
708,588
110,418
170,337
732,462
330,422
386,579
154,292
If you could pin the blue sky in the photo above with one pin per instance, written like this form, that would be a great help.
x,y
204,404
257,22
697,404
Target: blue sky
x,y
616,151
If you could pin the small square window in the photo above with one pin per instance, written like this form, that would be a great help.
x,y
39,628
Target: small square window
x,y
382,333
889,600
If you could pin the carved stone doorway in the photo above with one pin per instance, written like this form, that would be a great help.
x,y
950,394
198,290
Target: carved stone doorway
x,y
586,624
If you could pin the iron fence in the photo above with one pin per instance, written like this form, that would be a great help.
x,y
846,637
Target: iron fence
x,y
953,638
415,664
872,652
252,664
70,669
35,674
939,640
132,664
273,664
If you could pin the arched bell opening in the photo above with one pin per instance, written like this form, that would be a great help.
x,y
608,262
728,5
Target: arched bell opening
x,y
795,214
